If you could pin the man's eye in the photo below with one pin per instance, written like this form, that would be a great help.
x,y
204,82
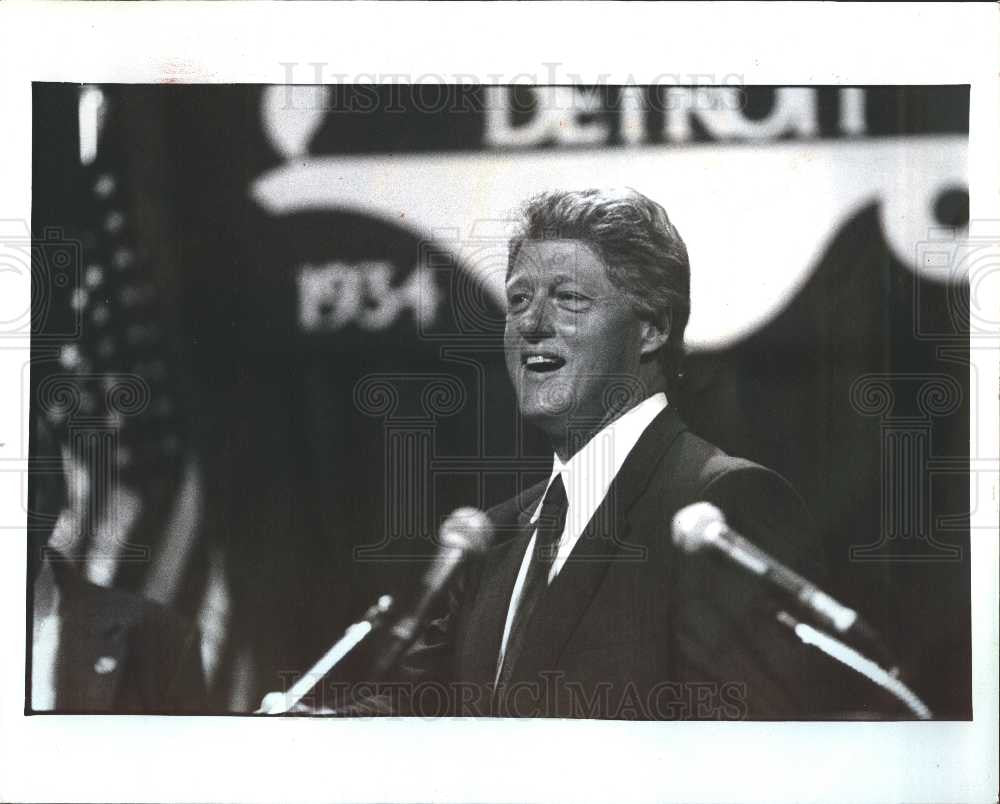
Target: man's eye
x,y
517,301
572,301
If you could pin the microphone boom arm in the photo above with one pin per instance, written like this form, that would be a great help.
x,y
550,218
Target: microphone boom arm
x,y
858,662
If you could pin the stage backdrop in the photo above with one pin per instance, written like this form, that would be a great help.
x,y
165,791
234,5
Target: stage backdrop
x,y
311,302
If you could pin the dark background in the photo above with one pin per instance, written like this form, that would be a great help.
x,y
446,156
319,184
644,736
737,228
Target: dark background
x,y
293,451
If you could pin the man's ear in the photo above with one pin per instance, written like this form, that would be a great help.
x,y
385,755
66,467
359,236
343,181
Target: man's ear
x,y
653,335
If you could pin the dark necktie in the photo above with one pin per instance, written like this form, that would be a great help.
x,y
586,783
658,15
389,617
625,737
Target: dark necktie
x,y
550,525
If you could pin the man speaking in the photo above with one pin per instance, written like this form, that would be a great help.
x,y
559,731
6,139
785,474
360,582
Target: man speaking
x,y
583,607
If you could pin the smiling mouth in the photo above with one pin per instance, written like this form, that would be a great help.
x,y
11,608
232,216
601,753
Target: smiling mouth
x,y
542,363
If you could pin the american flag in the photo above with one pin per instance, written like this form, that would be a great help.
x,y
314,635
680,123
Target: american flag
x,y
116,403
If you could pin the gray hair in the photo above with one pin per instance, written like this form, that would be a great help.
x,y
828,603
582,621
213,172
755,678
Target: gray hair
x,y
642,251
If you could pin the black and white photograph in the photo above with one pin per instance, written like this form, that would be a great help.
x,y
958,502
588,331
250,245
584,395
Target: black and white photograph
x,y
348,403
723,347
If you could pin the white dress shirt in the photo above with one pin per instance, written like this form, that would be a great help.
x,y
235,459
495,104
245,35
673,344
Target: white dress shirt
x,y
587,477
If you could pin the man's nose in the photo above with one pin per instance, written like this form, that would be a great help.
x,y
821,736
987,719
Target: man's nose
x,y
536,321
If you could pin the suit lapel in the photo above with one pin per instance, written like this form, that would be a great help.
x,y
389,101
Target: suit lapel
x,y
605,538
488,612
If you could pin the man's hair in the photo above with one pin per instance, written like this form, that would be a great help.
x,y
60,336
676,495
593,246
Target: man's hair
x,y
642,251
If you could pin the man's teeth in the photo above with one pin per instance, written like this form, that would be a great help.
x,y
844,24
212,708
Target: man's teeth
x,y
543,362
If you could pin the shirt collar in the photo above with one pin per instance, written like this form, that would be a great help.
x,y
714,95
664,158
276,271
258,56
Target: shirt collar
x,y
588,474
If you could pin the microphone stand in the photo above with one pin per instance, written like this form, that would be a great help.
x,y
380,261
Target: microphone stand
x,y
278,703
886,679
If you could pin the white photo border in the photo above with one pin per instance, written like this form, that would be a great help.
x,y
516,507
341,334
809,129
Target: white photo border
x,y
241,758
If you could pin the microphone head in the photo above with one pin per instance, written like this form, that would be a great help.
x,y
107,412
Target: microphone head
x,y
467,529
693,526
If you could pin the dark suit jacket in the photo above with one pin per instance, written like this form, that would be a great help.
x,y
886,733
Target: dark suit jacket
x,y
119,653
631,627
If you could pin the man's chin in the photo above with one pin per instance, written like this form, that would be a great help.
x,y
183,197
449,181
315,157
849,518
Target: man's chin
x,y
555,416
551,404
542,418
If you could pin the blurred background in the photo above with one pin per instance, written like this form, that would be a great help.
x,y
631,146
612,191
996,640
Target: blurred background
x,y
266,331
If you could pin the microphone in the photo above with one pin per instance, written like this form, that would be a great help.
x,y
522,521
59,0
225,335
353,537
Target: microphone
x,y
702,525
466,531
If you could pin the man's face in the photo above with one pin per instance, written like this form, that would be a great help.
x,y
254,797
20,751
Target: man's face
x,y
571,338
